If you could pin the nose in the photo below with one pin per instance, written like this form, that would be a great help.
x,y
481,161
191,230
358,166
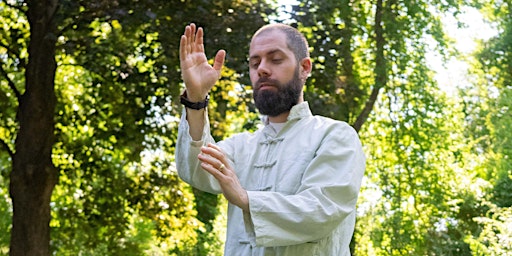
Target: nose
x,y
263,70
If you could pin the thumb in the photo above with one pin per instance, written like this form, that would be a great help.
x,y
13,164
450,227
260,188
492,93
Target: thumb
x,y
219,60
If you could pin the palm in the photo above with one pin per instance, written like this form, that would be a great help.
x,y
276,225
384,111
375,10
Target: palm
x,y
197,72
198,75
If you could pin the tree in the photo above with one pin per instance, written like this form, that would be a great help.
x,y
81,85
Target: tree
x,y
106,76
488,118
103,117
33,174
357,46
371,58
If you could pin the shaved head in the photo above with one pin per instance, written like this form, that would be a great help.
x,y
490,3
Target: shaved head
x,y
295,41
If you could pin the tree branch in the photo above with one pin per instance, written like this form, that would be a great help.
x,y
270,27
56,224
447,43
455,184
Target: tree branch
x,y
12,85
381,73
7,148
15,54
368,107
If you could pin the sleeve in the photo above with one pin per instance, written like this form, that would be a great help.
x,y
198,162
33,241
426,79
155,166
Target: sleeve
x,y
325,200
187,164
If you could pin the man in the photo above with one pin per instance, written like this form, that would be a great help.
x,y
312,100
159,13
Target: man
x,y
292,186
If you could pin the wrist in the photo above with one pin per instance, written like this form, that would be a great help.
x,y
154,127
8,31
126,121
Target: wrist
x,y
193,103
194,96
244,201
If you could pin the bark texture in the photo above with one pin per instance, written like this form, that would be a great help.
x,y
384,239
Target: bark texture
x,y
34,176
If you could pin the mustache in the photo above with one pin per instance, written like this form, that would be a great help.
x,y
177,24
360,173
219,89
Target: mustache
x,y
268,81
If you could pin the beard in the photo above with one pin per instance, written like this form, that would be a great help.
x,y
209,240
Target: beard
x,y
273,103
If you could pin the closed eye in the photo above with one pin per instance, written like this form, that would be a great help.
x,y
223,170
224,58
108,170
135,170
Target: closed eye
x,y
254,64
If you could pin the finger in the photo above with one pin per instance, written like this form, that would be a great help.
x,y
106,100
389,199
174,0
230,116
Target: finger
x,y
199,36
209,160
215,146
212,170
219,60
187,37
210,163
198,43
214,151
183,47
192,33
187,32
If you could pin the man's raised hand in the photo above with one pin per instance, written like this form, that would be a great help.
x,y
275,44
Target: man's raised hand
x,y
198,75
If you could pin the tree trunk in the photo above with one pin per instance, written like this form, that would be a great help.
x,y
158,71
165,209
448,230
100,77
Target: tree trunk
x,y
34,176
350,84
381,73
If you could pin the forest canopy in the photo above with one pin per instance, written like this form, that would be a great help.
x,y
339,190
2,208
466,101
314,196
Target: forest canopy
x,y
89,100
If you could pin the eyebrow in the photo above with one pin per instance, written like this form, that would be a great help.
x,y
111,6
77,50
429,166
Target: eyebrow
x,y
271,52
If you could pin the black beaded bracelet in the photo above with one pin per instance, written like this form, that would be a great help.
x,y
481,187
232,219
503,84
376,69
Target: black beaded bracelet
x,y
194,105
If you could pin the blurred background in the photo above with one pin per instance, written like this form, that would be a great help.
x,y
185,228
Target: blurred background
x,y
89,110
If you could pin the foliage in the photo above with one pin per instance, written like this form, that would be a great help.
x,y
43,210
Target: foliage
x,y
5,217
12,41
438,179
332,30
413,165
127,105
116,119
356,46
496,235
359,50
489,118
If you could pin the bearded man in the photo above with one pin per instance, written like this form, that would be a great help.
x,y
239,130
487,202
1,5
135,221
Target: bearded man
x,y
292,186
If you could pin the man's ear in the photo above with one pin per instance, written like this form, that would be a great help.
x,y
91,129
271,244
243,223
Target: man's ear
x,y
305,68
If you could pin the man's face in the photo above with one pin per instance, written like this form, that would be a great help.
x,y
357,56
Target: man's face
x,y
274,73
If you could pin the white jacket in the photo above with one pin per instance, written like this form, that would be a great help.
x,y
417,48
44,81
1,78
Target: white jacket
x,y
302,182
